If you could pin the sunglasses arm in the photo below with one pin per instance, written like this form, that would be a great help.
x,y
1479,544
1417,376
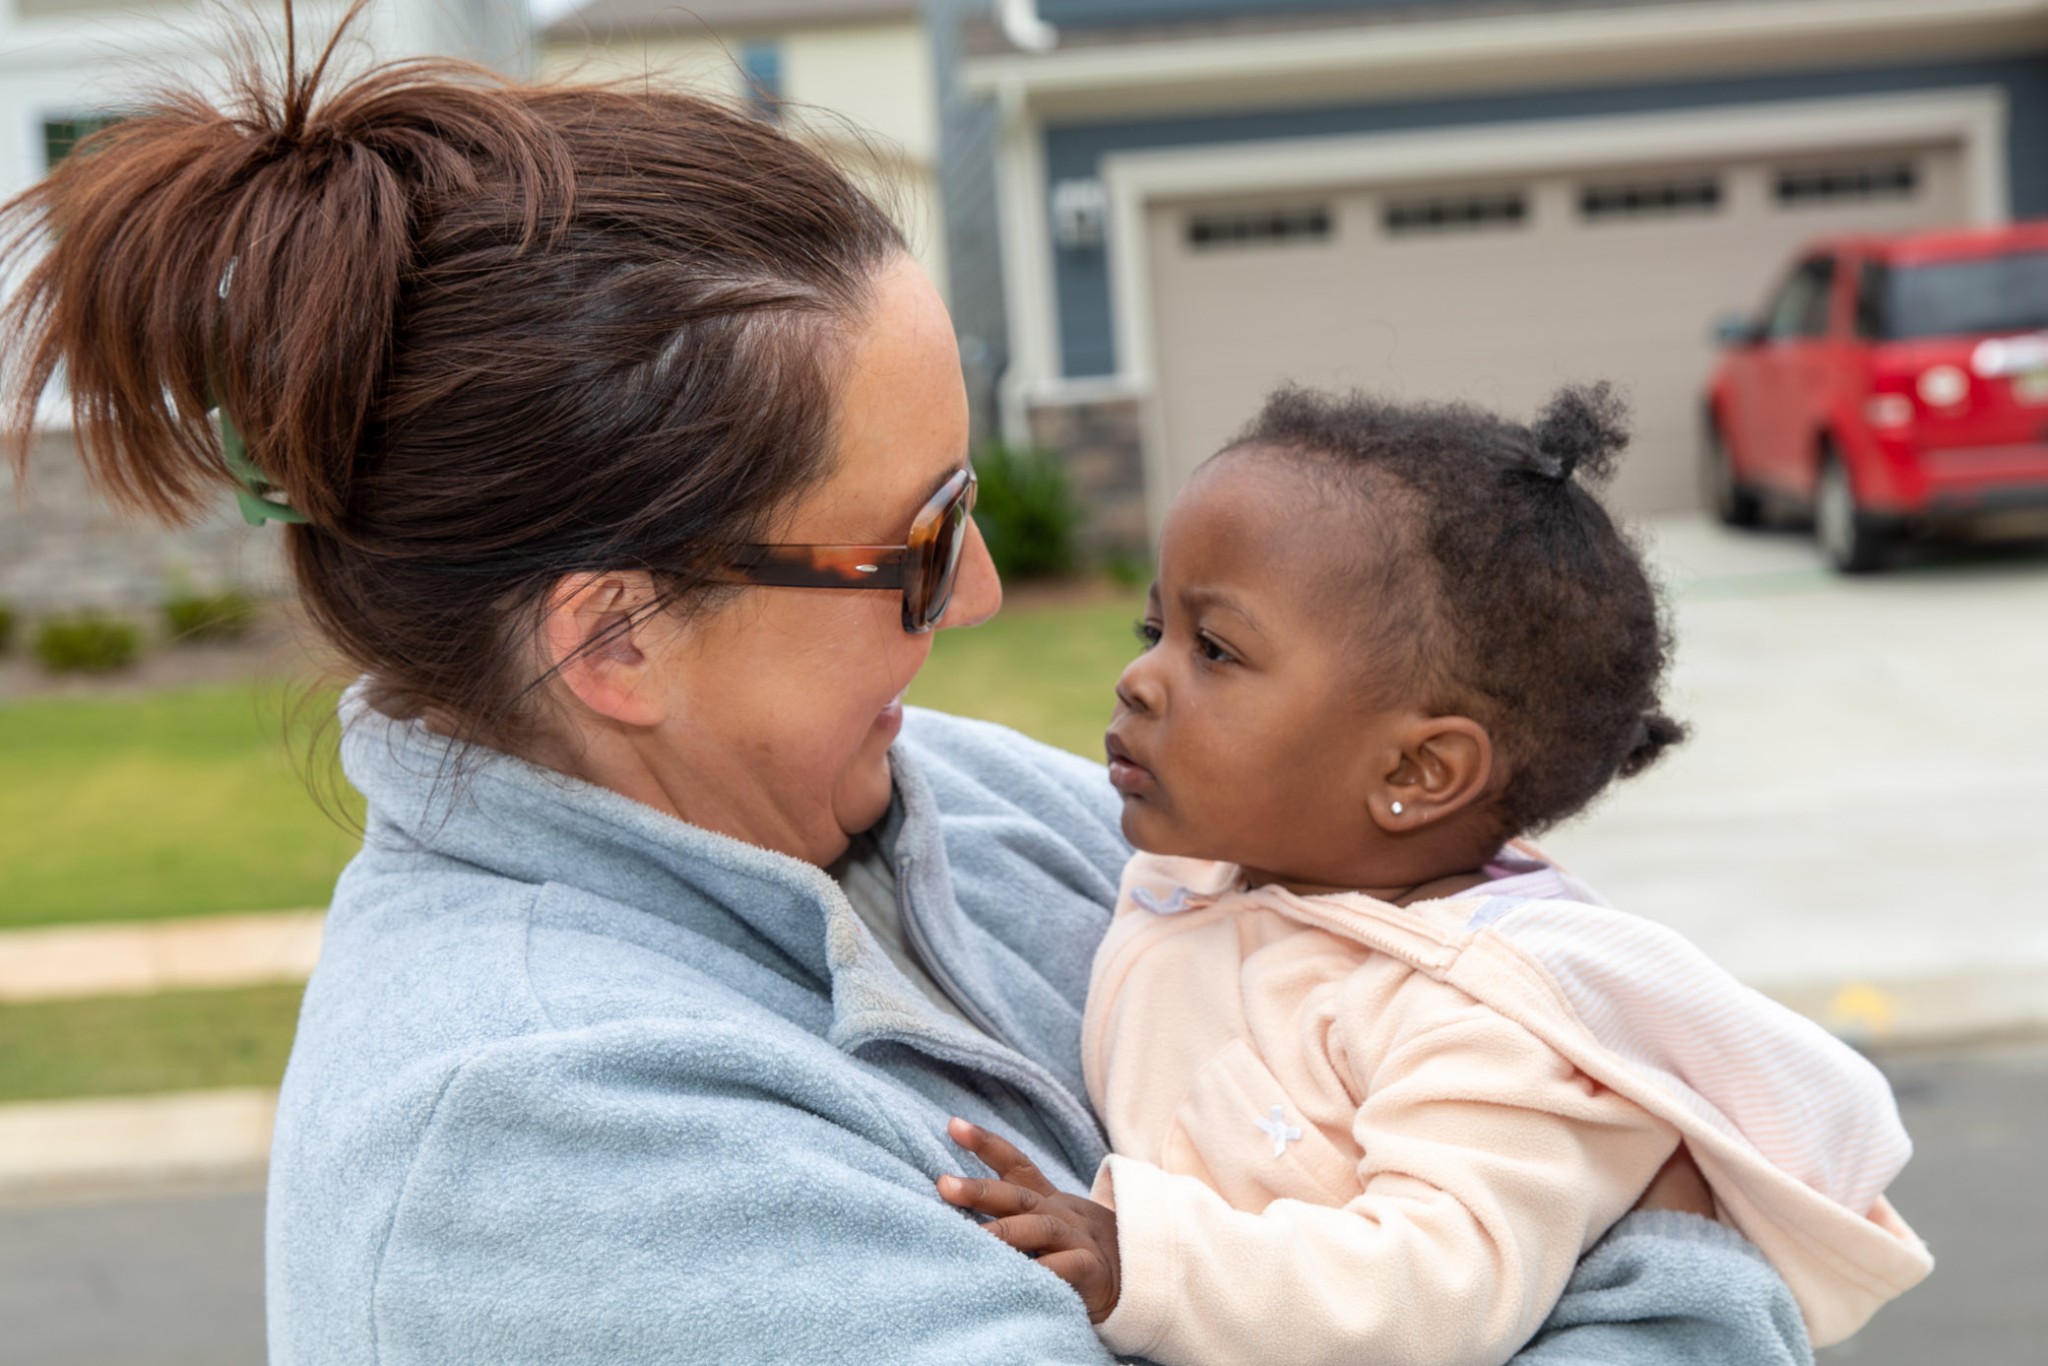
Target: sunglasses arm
x,y
822,566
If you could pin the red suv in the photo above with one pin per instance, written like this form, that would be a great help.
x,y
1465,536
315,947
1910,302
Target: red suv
x,y
1891,383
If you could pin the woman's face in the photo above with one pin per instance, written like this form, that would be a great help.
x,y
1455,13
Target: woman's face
x,y
783,704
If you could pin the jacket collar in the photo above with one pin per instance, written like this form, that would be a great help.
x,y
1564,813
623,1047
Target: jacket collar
x,y
509,818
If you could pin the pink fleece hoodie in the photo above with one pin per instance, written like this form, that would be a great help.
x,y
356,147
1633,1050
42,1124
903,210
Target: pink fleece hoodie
x,y
1352,1131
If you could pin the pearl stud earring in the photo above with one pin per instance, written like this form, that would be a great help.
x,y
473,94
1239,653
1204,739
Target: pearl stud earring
x,y
1396,808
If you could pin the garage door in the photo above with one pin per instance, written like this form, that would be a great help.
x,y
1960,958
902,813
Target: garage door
x,y
1497,292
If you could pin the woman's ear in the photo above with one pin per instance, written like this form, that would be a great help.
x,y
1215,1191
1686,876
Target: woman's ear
x,y
1444,765
596,631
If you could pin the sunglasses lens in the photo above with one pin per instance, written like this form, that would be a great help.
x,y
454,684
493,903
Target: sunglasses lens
x,y
936,548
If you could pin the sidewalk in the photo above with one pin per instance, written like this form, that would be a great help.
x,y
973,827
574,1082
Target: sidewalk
x,y
60,1147
134,959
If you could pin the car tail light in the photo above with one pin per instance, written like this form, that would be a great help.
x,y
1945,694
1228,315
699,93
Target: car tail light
x,y
1943,386
1888,411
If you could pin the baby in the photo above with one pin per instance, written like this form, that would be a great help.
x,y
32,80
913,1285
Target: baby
x,y
1375,1072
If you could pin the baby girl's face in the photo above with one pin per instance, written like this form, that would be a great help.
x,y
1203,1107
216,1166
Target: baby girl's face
x,y
1244,732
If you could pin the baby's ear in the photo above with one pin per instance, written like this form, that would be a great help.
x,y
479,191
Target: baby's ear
x,y
1445,766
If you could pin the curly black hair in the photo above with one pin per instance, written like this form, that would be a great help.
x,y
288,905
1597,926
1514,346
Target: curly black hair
x,y
1535,614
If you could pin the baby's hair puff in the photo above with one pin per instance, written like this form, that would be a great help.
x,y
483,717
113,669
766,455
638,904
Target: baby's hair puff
x,y
1502,588
1582,433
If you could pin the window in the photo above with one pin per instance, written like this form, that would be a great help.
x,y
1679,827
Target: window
x,y
2003,293
1842,183
61,135
1650,198
761,63
1801,308
1455,213
1259,227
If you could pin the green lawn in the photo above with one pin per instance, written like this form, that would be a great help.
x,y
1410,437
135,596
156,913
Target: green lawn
x,y
181,803
1046,671
129,1045
193,802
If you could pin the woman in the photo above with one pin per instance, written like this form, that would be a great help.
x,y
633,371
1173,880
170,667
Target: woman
x,y
620,449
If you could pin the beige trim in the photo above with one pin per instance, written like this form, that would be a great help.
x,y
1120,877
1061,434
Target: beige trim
x,y
1028,288
1397,59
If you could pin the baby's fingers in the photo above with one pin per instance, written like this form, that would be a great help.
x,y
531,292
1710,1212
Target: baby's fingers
x,y
1085,1270
995,1198
1031,1233
1001,1156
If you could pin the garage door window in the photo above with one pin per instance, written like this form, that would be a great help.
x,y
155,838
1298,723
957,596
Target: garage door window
x,y
1847,183
1456,213
1259,228
1637,199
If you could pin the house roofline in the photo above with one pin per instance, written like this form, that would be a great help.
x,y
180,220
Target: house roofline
x,y
1380,61
671,18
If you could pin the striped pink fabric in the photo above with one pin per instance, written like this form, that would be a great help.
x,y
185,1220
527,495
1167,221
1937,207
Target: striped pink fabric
x,y
1743,1064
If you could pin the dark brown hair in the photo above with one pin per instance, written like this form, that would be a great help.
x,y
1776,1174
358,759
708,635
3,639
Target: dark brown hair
x,y
1520,602
481,335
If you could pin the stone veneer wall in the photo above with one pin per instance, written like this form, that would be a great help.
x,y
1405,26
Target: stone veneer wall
x,y
63,548
1101,446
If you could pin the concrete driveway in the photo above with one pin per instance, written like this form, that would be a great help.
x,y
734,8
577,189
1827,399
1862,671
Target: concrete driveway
x,y
1860,821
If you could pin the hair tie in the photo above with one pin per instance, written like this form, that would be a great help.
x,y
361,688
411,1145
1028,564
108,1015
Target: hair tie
x,y
254,490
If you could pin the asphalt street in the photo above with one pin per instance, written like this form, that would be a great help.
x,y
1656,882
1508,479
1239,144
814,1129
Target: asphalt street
x,y
177,1279
170,1279
1974,1191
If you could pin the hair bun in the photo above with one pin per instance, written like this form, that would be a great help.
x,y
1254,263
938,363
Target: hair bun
x,y
1657,733
1581,431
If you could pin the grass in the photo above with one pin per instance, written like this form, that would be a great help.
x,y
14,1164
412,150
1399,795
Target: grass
x,y
132,1045
139,808
188,802
1047,671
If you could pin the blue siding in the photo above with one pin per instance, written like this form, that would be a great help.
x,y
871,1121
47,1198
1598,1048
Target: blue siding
x,y
1087,343
1106,13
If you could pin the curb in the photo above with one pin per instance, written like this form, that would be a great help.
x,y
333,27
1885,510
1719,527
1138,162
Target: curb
x,y
71,1147
1917,1012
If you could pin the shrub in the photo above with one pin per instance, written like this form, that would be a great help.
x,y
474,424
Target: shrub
x,y
1128,570
1026,511
6,627
226,615
89,642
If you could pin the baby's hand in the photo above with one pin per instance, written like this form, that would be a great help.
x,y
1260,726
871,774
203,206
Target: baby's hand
x,y
1073,1238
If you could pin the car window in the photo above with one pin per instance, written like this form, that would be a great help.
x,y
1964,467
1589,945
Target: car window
x,y
1872,289
2007,293
1801,308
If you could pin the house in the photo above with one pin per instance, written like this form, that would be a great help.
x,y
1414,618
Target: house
x,y
1453,199
852,77
66,68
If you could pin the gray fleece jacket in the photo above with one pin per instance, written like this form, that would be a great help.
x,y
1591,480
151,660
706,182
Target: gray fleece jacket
x,y
577,1082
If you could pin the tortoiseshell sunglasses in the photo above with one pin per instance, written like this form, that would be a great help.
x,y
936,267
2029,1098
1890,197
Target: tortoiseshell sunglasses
x,y
924,569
